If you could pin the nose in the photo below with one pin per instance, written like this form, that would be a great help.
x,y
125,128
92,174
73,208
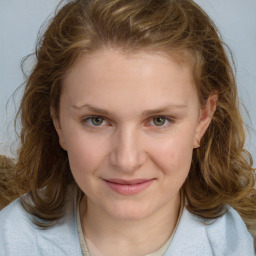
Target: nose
x,y
127,153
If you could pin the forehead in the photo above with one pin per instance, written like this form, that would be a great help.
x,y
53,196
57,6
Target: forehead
x,y
109,74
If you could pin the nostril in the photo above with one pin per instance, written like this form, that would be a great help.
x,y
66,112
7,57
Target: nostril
x,y
126,162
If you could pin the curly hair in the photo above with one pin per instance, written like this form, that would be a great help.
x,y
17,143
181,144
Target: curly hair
x,y
221,171
7,193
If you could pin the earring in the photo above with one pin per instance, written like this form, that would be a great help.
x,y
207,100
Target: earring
x,y
198,143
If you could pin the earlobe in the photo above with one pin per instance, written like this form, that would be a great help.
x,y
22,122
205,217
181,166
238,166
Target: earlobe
x,y
206,114
56,123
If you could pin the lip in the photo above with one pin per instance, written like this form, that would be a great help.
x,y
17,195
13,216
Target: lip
x,y
128,187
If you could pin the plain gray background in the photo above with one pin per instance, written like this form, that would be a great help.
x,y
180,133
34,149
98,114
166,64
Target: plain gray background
x,y
20,21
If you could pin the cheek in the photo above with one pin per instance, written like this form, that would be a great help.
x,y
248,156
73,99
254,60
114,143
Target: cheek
x,y
85,154
174,154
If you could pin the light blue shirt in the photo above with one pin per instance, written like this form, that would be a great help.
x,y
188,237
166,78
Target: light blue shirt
x,y
227,236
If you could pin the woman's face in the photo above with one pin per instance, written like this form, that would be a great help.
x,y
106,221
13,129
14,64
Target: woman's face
x,y
129,124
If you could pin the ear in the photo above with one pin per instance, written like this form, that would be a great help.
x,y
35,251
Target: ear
x,y
56,123
206,114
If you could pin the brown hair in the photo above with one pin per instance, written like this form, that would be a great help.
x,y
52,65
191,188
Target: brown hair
x,y
7,193
221,171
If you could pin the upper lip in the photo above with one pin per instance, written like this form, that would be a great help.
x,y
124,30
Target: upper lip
x,y
127,182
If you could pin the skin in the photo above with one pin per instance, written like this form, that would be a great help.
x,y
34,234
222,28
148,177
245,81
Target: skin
x,y
128,93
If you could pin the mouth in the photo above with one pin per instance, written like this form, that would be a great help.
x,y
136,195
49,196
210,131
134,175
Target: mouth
x,y
128,187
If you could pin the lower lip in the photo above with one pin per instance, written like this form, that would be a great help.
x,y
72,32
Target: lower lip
x,y
126,189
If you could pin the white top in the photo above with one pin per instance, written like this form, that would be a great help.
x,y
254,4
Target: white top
x,y
227,236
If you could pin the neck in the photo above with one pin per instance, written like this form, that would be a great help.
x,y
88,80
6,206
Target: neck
x,y
135,237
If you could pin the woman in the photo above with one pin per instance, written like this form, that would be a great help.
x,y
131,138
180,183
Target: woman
x,y
131,140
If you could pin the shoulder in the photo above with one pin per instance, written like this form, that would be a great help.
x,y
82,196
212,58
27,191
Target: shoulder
x,y
226,235
20,236
229,233
14,224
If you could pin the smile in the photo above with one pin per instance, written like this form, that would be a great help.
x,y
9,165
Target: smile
x,y
128,187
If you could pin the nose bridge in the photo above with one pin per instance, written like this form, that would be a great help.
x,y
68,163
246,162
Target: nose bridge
x,y
128,153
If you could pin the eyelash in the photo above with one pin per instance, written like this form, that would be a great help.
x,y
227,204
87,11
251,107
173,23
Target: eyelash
x,y
168,121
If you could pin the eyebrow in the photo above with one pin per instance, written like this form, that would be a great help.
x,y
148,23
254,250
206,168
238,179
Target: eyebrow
x,y
163,109
144,113
94,109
